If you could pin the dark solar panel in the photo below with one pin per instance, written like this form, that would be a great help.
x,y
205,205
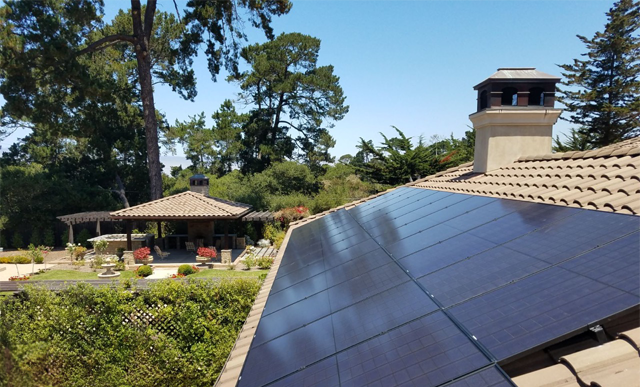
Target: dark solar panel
x,y
521,222
426,352
578,233
616,264
479,274
378,314
292,317
355,267
295,293
414,202
286,354
488,213
321,374
538,309
421,239
443,254
303,273
490,377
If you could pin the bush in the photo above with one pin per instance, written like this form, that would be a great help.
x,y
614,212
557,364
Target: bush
x,y
187,269
249,261
104,326
144,271
100,246
264,262
36,239
141,253
16,241
20,259
279,238
49,238
64,238
119,266
83,237
3,241
271,230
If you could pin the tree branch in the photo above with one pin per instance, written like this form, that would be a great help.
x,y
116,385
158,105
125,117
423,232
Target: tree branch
x,y
149,15
98,44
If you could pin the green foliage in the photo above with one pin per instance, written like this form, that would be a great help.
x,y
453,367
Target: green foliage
x,y
602,93
271,231
144,271
264,262
64,238
279,238
85,335
16,241
36,254
20,259
249,261
120,266
3,241
186,269
290,94
574,141
83,237
36,238
100,246
49,238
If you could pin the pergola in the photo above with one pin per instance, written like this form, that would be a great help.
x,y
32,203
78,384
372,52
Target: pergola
x,y
198,210
83,217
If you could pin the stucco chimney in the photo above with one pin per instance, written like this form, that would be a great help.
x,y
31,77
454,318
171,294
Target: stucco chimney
x,y
200,184
515,117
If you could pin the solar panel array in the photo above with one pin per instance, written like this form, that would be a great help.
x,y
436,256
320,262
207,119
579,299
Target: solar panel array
x,y
430,288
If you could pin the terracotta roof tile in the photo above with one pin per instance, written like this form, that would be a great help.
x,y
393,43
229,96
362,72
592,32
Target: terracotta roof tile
x,y
185,205
555,376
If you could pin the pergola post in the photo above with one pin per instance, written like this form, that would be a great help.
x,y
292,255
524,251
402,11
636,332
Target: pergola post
x,y
70,232
98,228
129,244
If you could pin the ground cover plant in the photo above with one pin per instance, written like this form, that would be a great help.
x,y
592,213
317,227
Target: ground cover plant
x,y
176,333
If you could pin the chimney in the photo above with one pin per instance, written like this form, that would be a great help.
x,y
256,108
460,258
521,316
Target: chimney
x,y
514,118
199,184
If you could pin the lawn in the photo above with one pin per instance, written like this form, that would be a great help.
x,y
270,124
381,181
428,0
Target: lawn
x,y
213,273
75,275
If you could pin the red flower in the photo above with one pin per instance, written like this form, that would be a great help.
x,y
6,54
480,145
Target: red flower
x,y
206,252
141,253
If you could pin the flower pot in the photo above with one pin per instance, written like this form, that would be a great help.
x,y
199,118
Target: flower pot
x,y
147,260
119,254
202,260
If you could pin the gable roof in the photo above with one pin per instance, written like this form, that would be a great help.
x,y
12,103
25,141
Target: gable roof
x,y
185,205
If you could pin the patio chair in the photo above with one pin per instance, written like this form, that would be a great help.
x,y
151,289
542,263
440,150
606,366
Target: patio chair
x,y
190,246
159,252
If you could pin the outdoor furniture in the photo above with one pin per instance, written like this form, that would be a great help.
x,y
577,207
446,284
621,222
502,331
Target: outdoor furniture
x,y
159,252
190,246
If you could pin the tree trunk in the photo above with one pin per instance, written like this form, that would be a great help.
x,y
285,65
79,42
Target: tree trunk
x,y
146,92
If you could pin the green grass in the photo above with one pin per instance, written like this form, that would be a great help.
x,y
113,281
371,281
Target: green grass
x,y
75,275
214,273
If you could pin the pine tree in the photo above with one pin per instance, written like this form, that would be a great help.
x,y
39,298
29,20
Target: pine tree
x,y
603,90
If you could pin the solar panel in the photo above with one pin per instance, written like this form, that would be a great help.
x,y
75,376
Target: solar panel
x,y
490,377
425,352
578,233
321,374
479,274
412,196
286,354
488,213
616,264
379,313
421,239
538,309
295,293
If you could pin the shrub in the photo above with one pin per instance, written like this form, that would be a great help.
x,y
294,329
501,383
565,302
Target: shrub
x,y
271,230
64,238
264,262
187,269
119,266
49,238
279,239
3,241
144,271
132,343
36,239
37,253
100,246
83,237
16,241
249,261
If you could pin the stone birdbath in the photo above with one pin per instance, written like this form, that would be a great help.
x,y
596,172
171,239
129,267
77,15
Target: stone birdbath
x,y
109,273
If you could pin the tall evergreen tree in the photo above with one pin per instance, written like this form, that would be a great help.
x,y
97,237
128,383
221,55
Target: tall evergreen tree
x,y
603,90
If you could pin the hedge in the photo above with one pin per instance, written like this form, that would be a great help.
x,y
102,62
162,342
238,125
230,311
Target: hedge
x,y
176,333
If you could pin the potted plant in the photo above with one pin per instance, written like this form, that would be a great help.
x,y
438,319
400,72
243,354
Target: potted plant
x,y
120,253
205,255
143,255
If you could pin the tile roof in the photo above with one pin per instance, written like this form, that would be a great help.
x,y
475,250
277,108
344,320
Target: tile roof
x,y
606,179
616,363
185,205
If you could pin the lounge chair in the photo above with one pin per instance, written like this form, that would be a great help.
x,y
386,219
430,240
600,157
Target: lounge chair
x,y
159,252
190,246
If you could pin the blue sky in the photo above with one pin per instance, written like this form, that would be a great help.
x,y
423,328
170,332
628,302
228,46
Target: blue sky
x,y
412,64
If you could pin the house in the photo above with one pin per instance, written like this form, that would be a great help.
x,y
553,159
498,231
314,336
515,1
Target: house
x,y
522,268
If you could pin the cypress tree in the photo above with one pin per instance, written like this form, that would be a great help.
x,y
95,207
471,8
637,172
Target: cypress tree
x,y
603,90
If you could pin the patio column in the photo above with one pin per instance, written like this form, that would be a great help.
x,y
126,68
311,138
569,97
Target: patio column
x,y
70,232
98,228
129,244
